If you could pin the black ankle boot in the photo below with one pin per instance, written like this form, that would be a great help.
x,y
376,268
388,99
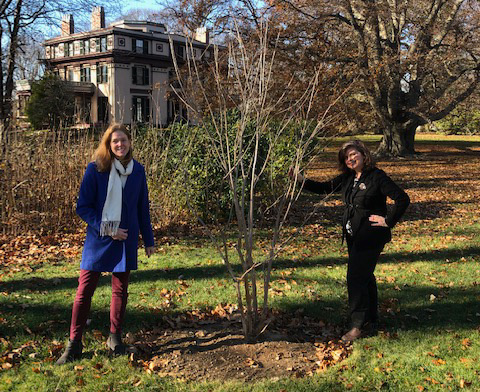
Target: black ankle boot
x,y
72,353
116,347
115,344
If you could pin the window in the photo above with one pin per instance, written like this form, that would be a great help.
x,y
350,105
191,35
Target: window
x,y
85,46
68,49
140,46
102,74
141,109
179,51
85,74
70,74
102,109
101,44
140,75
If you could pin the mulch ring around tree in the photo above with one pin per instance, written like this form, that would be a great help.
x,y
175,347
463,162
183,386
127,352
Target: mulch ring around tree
x,y
195,347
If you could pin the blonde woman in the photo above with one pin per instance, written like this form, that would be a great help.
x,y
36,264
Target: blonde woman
x,y
113,201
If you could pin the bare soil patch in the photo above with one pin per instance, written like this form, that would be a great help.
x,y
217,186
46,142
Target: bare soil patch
x,y
213,348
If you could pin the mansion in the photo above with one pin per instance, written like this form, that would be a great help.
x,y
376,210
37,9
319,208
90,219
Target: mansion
x,y
123,72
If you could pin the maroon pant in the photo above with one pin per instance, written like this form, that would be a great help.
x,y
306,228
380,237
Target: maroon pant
x,y
87,283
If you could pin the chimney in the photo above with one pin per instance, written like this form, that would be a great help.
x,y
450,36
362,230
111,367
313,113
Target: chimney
x,y
98,18
67,25
202,35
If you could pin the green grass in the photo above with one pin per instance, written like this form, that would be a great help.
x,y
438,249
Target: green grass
x,y
428,280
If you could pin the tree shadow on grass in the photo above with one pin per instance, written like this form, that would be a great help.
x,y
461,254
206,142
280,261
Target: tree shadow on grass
x,y
219,271
408,309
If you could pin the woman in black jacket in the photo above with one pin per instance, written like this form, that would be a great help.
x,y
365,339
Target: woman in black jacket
x,y
366,226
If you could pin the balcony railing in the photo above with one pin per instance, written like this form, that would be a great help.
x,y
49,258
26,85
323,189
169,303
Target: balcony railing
x,y
81,87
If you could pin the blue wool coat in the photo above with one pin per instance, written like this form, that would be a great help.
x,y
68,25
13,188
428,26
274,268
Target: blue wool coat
x,y
104,253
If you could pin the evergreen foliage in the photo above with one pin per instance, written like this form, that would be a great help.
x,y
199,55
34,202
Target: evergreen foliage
x,y
51,103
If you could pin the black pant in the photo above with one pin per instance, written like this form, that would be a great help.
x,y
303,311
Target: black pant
x,y
361,283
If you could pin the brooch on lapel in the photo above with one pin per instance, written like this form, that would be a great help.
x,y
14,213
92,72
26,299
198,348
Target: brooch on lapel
x,y
362,186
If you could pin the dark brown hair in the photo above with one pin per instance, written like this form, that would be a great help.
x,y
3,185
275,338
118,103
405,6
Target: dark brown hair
x,y
358,145
103,155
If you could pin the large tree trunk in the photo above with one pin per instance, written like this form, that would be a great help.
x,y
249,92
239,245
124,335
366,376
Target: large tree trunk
x,y
397,141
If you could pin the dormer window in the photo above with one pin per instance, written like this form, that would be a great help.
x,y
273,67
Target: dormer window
x,y
180,51
140,45
68,49
85,46
101,44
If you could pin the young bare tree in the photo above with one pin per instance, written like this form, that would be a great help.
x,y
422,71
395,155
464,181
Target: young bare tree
x,y
416,59
246,114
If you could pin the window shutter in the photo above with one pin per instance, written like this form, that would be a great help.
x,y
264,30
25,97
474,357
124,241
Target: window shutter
x,y
99,74
146,75
147,110
134,45
134,108
134,75
145,47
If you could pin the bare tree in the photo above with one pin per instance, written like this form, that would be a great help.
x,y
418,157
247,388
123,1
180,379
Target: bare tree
x,y
217,15
30,52
416,59
241,80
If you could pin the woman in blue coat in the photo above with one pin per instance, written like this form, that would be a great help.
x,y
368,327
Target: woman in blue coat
x,y
366,226
113,201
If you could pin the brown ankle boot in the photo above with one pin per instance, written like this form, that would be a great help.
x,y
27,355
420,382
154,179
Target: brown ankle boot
x,y
352,335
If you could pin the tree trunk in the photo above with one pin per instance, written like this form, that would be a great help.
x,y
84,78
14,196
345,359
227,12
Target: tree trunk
x,y
397,141
7,88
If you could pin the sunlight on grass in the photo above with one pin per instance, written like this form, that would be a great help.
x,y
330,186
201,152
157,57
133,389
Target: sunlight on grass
x,y
428,280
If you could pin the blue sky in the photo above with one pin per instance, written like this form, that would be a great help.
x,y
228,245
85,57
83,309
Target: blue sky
x,y
148,4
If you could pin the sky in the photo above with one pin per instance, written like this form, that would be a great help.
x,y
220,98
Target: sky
x,y
148,4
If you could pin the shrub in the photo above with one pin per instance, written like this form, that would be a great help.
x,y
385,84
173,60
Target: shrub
x,y
51,103
460,122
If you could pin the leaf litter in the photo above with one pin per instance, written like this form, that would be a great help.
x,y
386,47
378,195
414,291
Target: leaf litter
x,y
210,345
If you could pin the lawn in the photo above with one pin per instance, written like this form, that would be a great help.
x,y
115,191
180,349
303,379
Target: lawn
x,y
428,280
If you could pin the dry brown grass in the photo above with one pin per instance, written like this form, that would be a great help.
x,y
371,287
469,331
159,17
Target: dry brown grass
x,y
40,180
41,174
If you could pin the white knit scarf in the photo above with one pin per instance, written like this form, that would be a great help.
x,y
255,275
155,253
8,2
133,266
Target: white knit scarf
x,y
112,209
